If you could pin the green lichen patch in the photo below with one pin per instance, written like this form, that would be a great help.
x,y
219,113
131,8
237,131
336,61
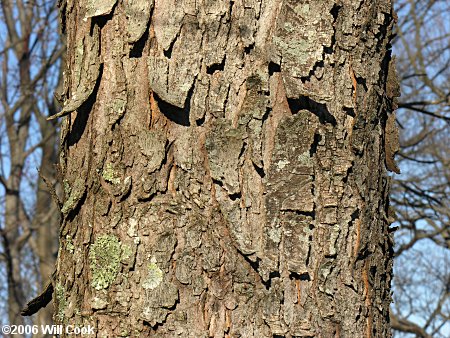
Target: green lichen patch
x,y
76,194
99,303
305,159
62,301
78,62
104,261
69,244
110,175
126,252
132,227
118,106
117,109
124,188
154,277
67,188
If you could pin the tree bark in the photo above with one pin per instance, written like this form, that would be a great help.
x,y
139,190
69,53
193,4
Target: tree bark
x,y
224,168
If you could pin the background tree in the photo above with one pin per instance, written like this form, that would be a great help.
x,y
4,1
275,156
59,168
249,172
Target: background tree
x,y
224,168
421,193
30,50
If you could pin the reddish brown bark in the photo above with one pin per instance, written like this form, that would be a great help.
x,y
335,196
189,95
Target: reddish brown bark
x,y
225,171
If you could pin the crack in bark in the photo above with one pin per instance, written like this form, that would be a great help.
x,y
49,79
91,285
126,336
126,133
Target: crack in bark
x,y
274,68
304,276
216,67
176,114
259,170
315,144
168,52
314,107
83,111
138,47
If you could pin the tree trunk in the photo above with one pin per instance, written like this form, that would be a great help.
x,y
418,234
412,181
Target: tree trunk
x,y
224,168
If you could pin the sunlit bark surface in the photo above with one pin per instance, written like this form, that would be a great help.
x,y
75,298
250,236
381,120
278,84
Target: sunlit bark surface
x,y
224,168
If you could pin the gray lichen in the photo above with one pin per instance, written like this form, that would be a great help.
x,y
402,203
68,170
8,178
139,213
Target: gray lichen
x,y
125,188
298,42
99,303
76,194
154,276
110,175
132,227
66,187
172,78
126,252
69,244
305,158
104,261
117,109
60,293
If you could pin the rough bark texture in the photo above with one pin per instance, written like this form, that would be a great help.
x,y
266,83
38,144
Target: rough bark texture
x,y
224,168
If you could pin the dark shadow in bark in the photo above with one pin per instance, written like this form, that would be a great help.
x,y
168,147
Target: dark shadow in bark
x,y
335,13
315,144
355,215
168,52
304,276
72,213
232,197
255,266
274,68
272,275
176,114
249,48
349,111
236,196
79,125
266,114
216,67
347,175
101,20
314,107
311,214
363,254
200,121
259,170
138,46
154,327
318,64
